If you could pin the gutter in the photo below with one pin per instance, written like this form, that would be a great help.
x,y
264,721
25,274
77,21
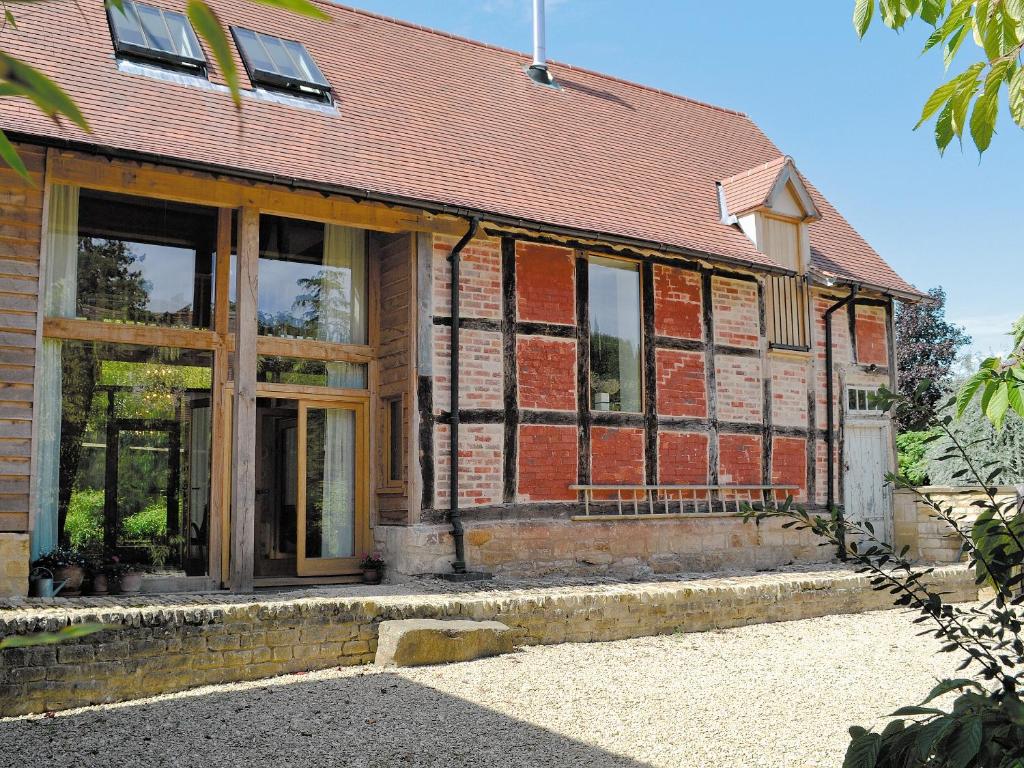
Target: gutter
x,y
454,513
830,416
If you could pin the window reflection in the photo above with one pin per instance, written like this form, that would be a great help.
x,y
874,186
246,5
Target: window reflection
x,y
614,335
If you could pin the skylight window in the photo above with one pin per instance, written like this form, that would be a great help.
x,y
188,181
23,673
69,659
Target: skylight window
x,y
276,63
147,32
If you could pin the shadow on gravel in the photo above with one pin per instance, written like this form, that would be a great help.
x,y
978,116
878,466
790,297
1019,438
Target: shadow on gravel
x,y
370,720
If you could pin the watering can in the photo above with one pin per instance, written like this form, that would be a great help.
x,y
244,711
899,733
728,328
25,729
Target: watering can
x,y
40,583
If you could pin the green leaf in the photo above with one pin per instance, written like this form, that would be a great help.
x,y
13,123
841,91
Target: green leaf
x,y
932,10
1017,96
210,29
939,96
983,117
44,93
946,686
963,743
966,393
9,18
996,407
863,751
10,156
1015,397
862,13
952,46
70,632
907,711
1014,9
944,128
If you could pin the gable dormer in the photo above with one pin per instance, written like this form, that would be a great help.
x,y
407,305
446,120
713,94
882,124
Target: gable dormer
x,y
773,207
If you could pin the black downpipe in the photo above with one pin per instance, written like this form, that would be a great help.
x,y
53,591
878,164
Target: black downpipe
x,y
830,429
454,513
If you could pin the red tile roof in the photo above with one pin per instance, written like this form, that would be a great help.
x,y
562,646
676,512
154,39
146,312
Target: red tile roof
x,y
427,116
749,190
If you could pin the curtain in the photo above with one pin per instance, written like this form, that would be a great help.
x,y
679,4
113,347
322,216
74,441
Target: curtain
x,y
199,475
60,287
343,320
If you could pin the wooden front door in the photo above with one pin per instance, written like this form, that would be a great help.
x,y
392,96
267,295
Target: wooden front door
x,y
868,496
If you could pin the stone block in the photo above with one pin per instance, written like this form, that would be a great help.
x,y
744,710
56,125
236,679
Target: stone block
x,y
416,642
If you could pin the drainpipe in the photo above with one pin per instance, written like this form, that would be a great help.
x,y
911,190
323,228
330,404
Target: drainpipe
x,y
830,400
454,514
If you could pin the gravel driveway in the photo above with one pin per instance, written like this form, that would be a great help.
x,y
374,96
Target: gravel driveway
x,y
766,695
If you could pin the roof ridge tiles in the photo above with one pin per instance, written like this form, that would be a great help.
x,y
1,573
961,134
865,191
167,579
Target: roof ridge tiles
x,y
521,54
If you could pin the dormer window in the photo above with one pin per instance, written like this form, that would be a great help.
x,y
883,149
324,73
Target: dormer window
x,y
281,64
143,31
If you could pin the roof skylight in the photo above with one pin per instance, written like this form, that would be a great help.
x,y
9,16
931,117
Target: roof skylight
x,y
277,63
141,30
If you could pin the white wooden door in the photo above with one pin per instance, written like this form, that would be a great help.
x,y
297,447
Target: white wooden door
x,y
867,460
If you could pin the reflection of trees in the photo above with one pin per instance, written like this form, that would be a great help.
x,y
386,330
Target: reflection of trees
x,y
80,369
610,356
108,286
319,311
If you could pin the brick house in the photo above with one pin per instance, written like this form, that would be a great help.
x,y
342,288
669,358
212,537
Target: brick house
x,y
226,333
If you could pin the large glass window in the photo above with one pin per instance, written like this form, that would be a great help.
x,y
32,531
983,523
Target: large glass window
x,y
312,281
615,340
124,461
131,260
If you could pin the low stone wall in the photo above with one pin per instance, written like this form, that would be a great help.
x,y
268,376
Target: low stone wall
x,y
582,547
930,539
173,647
14,557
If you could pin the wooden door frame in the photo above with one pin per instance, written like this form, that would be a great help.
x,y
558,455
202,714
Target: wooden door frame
x,y
359,401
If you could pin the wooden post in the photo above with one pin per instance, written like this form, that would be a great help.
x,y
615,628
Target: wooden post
x,y
217,509
243,465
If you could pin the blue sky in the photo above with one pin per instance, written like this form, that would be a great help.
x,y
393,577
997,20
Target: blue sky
x,y
843,108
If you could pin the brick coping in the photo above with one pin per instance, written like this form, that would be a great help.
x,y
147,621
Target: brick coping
x,y
422,598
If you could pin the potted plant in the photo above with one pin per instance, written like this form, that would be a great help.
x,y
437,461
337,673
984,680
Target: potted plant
x,y
99,581
373,567
67,566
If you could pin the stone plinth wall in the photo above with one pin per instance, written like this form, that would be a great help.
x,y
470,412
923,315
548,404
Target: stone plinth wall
x,y
930,539
14,564
171,648
627,547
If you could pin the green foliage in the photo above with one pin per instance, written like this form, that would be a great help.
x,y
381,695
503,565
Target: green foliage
x,y
60,557
969,100
84,524
148,523
70,632
999,382
989,447
912,448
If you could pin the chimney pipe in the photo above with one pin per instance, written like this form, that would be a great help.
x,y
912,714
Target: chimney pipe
x,y
538,70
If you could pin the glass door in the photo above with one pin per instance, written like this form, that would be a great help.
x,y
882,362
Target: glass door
x,y
332,490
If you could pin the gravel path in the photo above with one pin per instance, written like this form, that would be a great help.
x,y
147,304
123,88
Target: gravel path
x,y
766,695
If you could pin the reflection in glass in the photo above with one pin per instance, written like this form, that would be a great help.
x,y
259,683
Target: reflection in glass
x,y
133,467
330,482
311,373
117,258
312,281
614,335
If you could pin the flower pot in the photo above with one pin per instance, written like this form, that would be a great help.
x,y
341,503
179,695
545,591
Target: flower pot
x,y
72,576
100,584
371,576
130,582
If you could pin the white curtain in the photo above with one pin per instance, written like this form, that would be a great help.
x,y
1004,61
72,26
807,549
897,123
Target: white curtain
x,y
343,314
60,286
199,471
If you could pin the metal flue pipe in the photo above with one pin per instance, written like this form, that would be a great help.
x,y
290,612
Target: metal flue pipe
x,y
538,70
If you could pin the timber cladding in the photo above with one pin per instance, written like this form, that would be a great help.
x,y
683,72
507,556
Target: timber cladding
x,y
21,216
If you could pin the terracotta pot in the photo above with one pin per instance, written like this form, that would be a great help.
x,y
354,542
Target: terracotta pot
x,y
73,576
100,584
130,582
371,576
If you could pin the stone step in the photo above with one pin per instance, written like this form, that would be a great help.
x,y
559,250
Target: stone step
x,y
416,642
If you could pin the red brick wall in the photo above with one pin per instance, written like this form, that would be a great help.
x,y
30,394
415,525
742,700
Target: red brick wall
x,y
547,373
682,390
479,278
677,303
789,464
736,318
683,458
481,381
480,464
547,462
740,393
545,283
616,455
739,459
871,336
789,392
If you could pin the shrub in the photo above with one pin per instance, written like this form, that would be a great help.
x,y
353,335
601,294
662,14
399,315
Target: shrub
x,y
84,523
148,523
912,449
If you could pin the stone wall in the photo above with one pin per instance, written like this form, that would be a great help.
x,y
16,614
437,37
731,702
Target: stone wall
x,y
930,539
14,559
629,547
171,648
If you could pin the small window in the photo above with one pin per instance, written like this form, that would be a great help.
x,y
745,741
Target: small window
x,y
395,457
786,304
861,400
284,64
147,32
615,336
